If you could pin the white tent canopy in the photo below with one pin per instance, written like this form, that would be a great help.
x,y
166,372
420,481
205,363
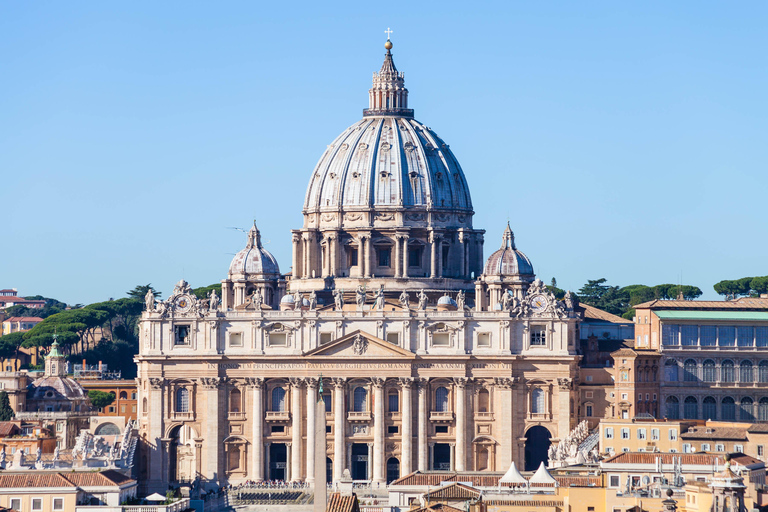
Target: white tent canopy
x,y
513,476
155,497
542,476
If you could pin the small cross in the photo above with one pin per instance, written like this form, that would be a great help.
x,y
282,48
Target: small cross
x,y
388,32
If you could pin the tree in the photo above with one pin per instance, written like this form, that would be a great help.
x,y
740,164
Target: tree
x,y
732,289
100,399
759,285
688,292
6,411
51,307
602,296
10,343
203,291
140,291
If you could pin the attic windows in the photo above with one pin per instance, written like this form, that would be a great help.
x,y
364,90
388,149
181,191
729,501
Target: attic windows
x,y
181,335
538,336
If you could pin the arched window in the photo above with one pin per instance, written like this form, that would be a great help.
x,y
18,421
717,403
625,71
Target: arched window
x,y
234,400
670,370
441,399
708,375
747,411
727,373
233,457
673,408
762,409
709,408
278,400
360,399
182,400
483,401
690,371
123,395
482,459
538,401
691,408
728,409
144,406
745,372
762,372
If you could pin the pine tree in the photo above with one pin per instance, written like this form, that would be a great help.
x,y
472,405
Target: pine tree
x,y
6,412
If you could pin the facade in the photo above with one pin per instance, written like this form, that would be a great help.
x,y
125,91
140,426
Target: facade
x,y
20,323
714,357
10,297
429,358
126,396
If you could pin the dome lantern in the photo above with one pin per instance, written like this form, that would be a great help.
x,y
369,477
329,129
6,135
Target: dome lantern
x,y
388,95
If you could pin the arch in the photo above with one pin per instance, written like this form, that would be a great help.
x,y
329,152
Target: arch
x,y
483,459
328,469
144,406
538,401
728,409
673,408
182,400
690,370
360,399
483,400
107,429
181,452
746,409
235,453
709,408
278,399
727,373
670,370
441,399
537,443
762,409
746,374
762,371
709,373
393,469
123,395
690,408
235,400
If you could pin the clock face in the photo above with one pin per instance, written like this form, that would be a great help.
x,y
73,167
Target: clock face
x,y
183,303
539,303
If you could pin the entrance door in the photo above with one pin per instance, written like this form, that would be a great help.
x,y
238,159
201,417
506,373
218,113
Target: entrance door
x,y
328,470
536,447
393,470
278,458
359,461
441,459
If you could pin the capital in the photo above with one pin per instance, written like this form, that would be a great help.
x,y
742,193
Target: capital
x,y
406,382
378,382
461,382
503,382
255,382
312,382
339,382
297,382
156,383
211,382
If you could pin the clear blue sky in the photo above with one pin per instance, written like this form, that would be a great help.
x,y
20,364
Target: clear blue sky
x,y
622,140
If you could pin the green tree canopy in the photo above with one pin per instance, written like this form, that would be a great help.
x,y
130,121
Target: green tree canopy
x,y
140,291
52,306
203,291
100,399
6,411
10,343
744,287
602,296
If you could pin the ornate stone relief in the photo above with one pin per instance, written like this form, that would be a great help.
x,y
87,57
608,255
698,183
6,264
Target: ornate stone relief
x,y
360,344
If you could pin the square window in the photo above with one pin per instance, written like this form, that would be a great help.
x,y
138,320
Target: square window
x,y
441,429
58,503
278,339
278,429
393,338
327,429
15,503
614,481
111,408
589,378
738,448
625,450
37,503
326,337
235,339
721,447
384,257
484,339
705,447
392,429
589,394
624,396
442,339
182,335
538,336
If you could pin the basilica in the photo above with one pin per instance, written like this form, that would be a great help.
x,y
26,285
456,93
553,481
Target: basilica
x,y
428,356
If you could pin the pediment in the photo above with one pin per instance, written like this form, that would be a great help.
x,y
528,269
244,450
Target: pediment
x,y
360,344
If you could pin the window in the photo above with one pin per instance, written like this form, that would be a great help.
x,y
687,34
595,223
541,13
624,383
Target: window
x,y
738,448
760,450
278,429
746,411
686,448
689,371
673,434
614,481
538,336
745,372
123,395
393,338
394,402
59,426
538,401
589,411
708,335
414,256
441,399
352,256
384,257
670,370
727,373
278,400
484,339
392,429
641,433
609,433
763,371
37,503
709,408
589,394
655,434
325,337
625,433
133,409
708,374
624,396
705,447
58,503
182,400
728,409
762,409
727,337
689,335
235,397
719,447
441,339
589,378
625,449
761,336
360,399
328,402
235,339
690,408
133,396
277,339
182,335
483,401
441,429
745,336
670,334
15,503
111,408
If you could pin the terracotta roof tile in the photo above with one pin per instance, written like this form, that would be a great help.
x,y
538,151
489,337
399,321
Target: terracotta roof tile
x,y
743,303
442,507
338,502
7,428
593,313
23,319
454,491
733,433
34,480
483,479
686,458
525,503
103,478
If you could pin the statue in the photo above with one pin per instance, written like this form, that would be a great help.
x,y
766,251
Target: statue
x,y
460,300
338,297
422,300
39,458
379,302
256,299
360,296
506,301
572,449
570,301
313,300
213,302
149,300
181,287
404,300
552,453
297,299
2,456
56,454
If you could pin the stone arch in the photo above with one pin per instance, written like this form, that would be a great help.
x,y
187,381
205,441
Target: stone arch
x,y
235,454
537,443
107,429
484,453
182,453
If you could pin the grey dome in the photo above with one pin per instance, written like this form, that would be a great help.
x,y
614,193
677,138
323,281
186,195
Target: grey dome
x,y
55,388
254,259
508,260
446,300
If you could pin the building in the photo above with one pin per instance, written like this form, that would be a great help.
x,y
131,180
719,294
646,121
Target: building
x,y
125,393
20,323
430,357
641,435
10,297
26,436
714,357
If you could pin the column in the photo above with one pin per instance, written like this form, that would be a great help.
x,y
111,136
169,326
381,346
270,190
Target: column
x,y
288,460
305,256
257,419
267,460
311,440
431,460
433,241
406,384
338,428
334,238
405,256
460,458
423,390
507,417
212,438
369,465
440,269
295,458
479,296
297,265
378,430
397,259
452,459
156,429
366,240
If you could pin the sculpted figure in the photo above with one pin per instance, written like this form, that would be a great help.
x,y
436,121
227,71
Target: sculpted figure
x,y
149,300
379,303
38,455
506,301
338,297
360,296
404,301
422,300
213,302
56,453
313,300
2,455
552,452
297,298
460,300
256,299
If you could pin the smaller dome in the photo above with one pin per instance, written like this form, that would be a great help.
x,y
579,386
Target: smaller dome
x,y
55,388
446,300
508,260
287,299
254,259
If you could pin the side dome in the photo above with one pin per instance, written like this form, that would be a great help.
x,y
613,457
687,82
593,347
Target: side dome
x,y
254,259
508,260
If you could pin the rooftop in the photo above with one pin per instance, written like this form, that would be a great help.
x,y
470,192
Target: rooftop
x,y
743,303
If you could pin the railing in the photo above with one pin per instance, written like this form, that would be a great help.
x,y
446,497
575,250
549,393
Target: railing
x,y
278,416
236,416
440,416
484,416
182,416
404,112
359,416
177,506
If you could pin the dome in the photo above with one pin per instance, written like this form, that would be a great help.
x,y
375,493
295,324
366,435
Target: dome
x,y
55,388
254,259
387,161
446,300
287,299
508,260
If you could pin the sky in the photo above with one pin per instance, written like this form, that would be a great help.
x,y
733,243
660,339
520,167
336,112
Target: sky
x,y
624,140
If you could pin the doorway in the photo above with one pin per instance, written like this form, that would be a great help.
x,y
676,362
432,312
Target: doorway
x,y
278,458
441,457
536,447
359,461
